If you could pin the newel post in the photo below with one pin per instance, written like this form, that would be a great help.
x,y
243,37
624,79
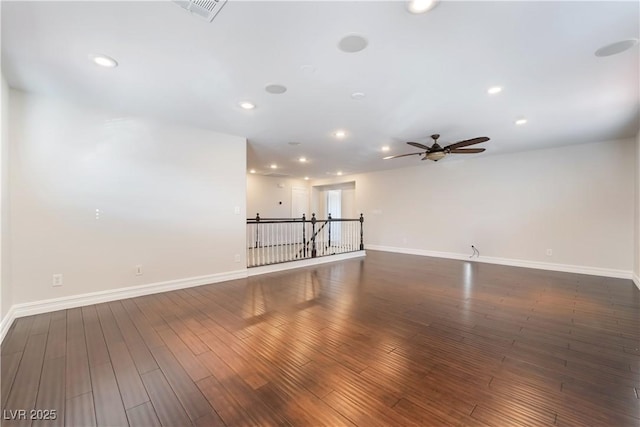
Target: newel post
x,y
313,235
304,236
257,228
329,216
361,233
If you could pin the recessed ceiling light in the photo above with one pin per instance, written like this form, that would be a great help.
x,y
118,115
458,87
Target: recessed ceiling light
x,y
493,90
275,89
274,166
252,171
521,122
352,43
302,159
306,178
340,134
339,173
247,105
616,48
421,6
357,96
104,61
386,148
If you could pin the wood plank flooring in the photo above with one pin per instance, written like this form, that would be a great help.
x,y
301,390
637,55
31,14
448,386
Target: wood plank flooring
x,y
388,340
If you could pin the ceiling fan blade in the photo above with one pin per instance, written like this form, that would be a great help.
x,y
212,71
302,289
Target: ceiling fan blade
x,y
467,142
418,145
467,150
402,155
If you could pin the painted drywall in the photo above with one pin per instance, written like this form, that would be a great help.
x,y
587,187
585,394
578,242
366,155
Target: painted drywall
x,y
93,194
6,299
636,267
577,201
271,196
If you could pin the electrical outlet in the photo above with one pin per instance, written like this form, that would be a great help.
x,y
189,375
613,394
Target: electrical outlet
x,y
236,210
237,258
549,252
57,280
138,270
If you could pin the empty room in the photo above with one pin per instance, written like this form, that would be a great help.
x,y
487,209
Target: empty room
x,y
320,213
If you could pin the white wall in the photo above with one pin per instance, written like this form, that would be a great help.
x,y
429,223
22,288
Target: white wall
x,y
264,194
166,196
636,266
576,200
6,299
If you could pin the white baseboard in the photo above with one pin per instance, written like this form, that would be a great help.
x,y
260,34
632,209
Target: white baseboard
x,y
254,271
63,303
636,280
593,271
6,322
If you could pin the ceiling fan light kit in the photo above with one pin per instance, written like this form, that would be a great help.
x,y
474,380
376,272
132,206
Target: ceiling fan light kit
x,y
435,156
436,152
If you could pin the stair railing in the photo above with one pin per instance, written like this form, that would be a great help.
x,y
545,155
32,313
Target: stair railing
x,y
277,240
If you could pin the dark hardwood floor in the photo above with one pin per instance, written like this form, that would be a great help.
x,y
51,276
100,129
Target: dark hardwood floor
x,y
389,340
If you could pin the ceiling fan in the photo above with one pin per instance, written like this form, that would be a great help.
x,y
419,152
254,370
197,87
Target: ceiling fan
x,y
436,152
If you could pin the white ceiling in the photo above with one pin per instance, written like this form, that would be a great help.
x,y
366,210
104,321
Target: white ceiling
x,y
421,74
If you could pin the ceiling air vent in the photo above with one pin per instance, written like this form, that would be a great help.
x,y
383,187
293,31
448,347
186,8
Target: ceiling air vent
x,y
206,9
277,174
